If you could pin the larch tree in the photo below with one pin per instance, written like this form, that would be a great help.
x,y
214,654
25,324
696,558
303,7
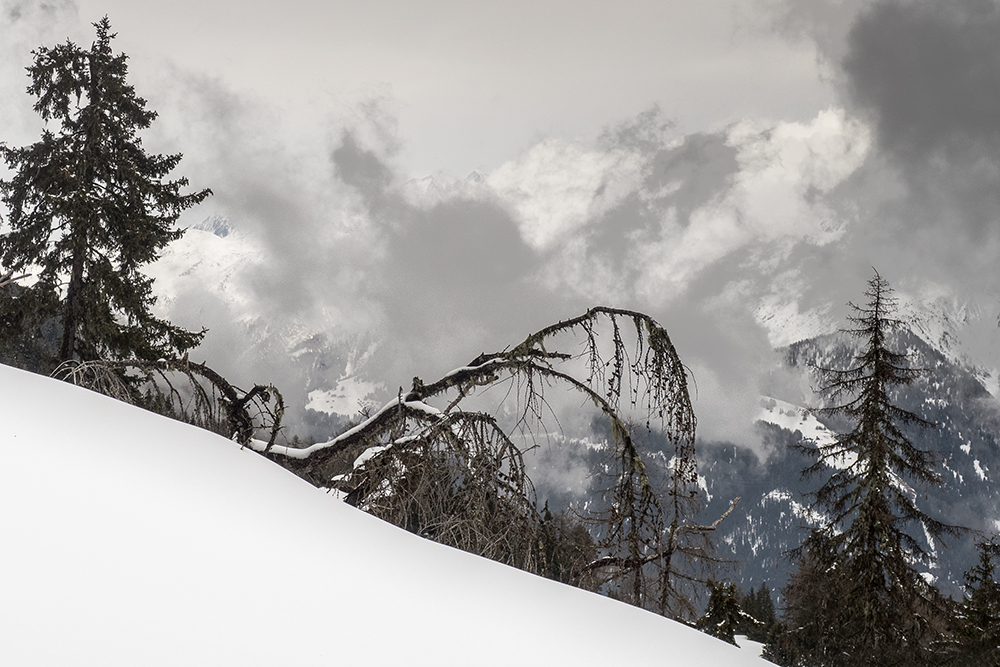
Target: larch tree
x,y
863,590
88,207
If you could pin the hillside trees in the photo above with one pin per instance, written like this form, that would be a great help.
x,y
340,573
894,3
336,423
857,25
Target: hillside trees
x,y
723,618
858,597
454,473
88,207
978,635
730,612
759,605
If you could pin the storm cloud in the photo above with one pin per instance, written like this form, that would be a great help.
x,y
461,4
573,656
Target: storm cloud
x,y
927,74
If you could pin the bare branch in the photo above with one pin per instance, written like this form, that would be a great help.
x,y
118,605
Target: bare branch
x,y
219,406
627,564
9,278
715,524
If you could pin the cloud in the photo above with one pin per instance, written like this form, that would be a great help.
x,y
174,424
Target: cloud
x,y
731,238
645,218
344,274
927,74
823,22
342,268
25,25
341,265
37,22
700,230
925,78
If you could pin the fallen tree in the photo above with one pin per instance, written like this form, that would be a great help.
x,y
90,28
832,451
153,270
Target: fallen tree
x,y
184,390
458,477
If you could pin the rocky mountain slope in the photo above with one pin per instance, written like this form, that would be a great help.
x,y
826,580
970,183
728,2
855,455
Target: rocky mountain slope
x,y
775,515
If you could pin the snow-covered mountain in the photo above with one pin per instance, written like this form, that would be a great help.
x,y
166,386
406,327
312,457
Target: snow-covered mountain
x,y
132,539
430,190
216,224
776,516
964,330
206,279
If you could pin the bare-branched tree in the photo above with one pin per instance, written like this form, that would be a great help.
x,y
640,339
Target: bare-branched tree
x,y
184,390
9,278
458,476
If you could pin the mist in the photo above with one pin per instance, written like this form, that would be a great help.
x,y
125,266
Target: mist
x,y
346,276
401,277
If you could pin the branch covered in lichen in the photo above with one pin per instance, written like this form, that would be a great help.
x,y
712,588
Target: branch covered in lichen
x,y
185,390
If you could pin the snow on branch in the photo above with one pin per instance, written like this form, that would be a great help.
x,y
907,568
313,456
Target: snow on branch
x,y
454,475
650,377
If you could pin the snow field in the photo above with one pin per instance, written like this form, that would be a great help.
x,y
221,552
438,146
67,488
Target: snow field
x,y
131,539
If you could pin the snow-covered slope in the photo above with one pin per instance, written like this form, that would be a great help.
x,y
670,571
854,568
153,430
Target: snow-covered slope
x,y
209,256
794,418
130,539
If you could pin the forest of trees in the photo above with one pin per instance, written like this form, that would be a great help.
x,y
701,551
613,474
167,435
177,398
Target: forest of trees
x,y
86,208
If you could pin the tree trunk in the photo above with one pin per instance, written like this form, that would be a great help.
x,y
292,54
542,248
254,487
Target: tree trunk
x,y
79,227
72,314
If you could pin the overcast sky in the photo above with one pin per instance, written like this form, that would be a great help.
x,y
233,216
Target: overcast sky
x,y
735,168
472,84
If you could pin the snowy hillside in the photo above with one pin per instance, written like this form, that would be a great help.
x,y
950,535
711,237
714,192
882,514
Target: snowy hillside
x,y
131,539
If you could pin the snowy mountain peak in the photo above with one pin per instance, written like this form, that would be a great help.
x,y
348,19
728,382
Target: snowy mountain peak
x,y
217,224
963,330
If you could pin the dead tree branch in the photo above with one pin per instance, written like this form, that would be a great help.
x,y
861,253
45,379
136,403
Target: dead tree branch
x,y
454,475
205,398
9,278
630,564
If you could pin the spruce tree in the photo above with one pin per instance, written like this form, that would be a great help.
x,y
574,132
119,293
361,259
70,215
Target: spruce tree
x,y
724,618
759,605
88,208
866,590
813,606
979,619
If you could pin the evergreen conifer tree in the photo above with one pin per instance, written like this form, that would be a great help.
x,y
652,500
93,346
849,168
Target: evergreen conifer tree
x,y
812,603
979,632
88,207
723,617
861,585
759,605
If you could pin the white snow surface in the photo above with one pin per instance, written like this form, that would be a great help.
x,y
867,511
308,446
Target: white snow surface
x,y
346,399
131,539
794,418
748,644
